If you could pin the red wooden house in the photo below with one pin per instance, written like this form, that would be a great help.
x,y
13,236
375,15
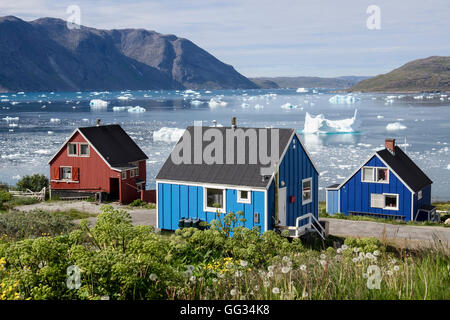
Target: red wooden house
x,y
99,161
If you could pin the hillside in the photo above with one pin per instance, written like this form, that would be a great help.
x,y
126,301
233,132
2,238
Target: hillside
x,y
429,74
44,55
306,82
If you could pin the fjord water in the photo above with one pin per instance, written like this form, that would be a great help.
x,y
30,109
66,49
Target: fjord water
x,y
34,125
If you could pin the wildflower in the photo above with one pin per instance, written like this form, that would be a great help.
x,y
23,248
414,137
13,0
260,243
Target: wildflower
x,y
355,250
192,279
276,290
285,269
214,280
266,284
271,268
305,294
339,250
376,253
238,274
270,274
106,297
389,272
188,273
153,277
190,268
323,257
286,259
303,267
233,292
355,260
256,287
228,265
344,247
396,268
244,263
365,275
323,262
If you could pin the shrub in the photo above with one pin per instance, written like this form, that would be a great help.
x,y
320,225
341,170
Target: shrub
x,y
35,183
138,203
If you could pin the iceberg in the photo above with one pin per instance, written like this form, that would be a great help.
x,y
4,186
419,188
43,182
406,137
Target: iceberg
x,y
136,109
166,134
395,126
98,103
8,119
302,90
319,124
343,99
119,108
196,102
55,120
258,107
214,103
288,106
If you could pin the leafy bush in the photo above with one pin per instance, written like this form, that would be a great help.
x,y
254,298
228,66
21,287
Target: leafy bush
x,y
137,203
35,183
5,196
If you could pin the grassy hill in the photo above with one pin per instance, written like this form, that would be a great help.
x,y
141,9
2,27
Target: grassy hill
x,y
306,82
429,74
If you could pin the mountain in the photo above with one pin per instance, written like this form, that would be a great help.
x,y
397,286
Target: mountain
x,y
307,82
429,74
44,55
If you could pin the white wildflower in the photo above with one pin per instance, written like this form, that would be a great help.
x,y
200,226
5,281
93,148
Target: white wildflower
x,y
266,284
365,275
355,260
276,290
238,274
286,259
389,272
339,250
244,263
285,269
323,262
376,253
355,250
153,277
305,294
303,267
396,268
344,247
323,257
270,274
271,268
193,279
233,292
256,287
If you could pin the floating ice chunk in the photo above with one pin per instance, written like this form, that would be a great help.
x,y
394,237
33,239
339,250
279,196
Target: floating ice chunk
x,y
123,97
50,132
9,119
418,97
136,109
207,91
245,105
119,108
395,126
98,103
85,120
13,125
196,102
380,117
343,99
42,151
166,134
216,102
20,92
14,103
55,120
364,145
319,124
258,107
448,167
288,106
302,90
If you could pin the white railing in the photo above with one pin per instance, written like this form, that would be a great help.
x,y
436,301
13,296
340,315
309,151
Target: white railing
x,y
312,223
40,195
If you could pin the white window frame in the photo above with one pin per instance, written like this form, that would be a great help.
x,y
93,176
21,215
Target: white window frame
x,y
311,197
373,174
124,175
205,200
61,173
419,195
391,208
137,172
244,200
76,149
387,175
132,173
88,149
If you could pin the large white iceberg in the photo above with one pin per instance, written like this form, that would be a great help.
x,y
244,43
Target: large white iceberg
x,y
395,126
214,103
343,99
136,109
319,124
166,134
98,103
302,90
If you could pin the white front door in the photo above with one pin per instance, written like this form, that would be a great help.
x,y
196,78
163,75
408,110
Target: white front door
x,y
282,206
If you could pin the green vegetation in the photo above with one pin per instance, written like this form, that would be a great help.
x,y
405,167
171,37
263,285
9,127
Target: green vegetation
x,y
117,260
430,74
35,183
74,214
142,204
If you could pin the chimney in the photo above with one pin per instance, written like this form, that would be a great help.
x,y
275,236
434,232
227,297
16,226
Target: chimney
x,y
390,145
233,122
98,122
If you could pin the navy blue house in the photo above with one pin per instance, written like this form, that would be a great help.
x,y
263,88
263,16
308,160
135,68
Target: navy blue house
x,y
388,185
192,190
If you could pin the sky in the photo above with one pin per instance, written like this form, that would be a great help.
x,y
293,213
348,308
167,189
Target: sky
x,y
324,38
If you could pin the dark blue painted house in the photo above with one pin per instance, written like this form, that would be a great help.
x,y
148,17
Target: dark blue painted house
x,y
388,185
190,190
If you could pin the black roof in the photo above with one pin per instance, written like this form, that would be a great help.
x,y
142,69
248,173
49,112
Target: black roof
x,y
410,173
114,144
228,174
333,186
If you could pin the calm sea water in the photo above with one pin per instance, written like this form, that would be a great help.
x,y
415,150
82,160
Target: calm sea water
x,y
34,125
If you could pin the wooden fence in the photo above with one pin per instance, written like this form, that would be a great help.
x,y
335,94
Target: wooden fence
x,y
40,195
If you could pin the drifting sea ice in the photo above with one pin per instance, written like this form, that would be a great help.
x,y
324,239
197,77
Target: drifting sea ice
x,y
302,90
98,103
288,106
166,134
196,102
137,109
55,120
214,103
343,99
319,124
8,119
119,108
395,126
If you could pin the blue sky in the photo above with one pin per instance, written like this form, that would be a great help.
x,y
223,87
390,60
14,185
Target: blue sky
x,y
276,38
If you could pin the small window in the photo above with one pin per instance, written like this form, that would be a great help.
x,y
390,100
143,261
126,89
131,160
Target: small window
x,y
243,196
65,173
131,173
124,175
72,149
391,201
137,171
84,149
215,199
307,191
419,195
382,175
367,174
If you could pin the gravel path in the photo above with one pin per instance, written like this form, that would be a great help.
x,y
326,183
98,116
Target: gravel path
x,y
139,216
412,235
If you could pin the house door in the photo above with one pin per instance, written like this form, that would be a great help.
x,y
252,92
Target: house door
x,y
113,189
282,206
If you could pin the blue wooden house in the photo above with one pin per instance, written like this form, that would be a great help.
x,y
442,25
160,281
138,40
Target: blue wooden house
x,y
195,190
388,185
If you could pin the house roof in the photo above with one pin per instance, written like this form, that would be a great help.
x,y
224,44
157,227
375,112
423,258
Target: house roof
x,y
408,171
113,144
247,174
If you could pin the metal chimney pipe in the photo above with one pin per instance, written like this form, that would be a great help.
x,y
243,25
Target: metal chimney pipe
x,y
98,122
233,122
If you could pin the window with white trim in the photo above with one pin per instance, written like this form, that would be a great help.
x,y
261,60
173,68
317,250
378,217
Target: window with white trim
x,y
368,174
244,196
72,149
214,199
137,171
84,149
65,173
382,175
386,201
124,175
306,191
132,173
419,195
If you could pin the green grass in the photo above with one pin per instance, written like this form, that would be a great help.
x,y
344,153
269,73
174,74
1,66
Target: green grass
x,y
74,214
